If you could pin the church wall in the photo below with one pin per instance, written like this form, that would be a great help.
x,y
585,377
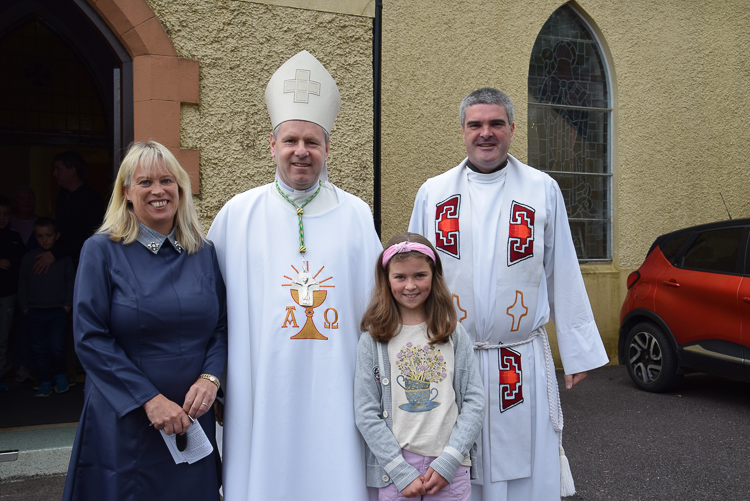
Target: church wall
x,y
238,45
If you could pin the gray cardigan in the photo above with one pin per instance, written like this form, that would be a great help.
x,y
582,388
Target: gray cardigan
x,y
373,409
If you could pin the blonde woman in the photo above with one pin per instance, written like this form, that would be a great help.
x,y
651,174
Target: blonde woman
x,y
150,330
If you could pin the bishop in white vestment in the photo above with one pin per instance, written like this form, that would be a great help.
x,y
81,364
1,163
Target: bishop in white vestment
x,y
510,263
297,257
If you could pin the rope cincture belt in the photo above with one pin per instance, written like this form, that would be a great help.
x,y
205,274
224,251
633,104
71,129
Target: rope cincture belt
x,y
300,210
553,394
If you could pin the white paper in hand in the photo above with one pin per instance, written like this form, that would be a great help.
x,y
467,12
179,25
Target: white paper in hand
x,y
197,448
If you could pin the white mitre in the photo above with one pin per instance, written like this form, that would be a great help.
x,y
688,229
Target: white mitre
x,y
302,89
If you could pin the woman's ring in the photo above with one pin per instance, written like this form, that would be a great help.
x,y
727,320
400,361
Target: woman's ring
x,y
204,403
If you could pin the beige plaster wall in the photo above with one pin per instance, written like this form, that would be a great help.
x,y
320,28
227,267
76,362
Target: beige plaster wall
x,y
356,7
682,102
679,85
238,46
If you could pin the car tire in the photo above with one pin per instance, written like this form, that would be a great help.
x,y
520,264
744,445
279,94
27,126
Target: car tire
x,y
651,358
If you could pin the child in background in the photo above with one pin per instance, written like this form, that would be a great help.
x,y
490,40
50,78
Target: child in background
x,y
45,300
419,402
12,250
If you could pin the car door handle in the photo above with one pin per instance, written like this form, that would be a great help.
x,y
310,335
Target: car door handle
x,y
670,283
746,299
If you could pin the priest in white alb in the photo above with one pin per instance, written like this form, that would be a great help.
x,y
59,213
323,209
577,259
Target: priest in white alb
x,y
297,257
509,260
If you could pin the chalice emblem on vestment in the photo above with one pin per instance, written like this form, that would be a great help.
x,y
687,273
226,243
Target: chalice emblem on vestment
x,y
307,292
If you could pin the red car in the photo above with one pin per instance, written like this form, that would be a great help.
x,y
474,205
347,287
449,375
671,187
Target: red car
x,y
688,307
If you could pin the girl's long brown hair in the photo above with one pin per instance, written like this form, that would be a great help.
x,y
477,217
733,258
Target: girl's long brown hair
x,y
382,319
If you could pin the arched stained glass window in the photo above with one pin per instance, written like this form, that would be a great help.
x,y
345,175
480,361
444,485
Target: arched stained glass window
x,y
569,127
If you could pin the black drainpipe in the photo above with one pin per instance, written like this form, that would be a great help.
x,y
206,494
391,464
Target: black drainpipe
x,y
377,28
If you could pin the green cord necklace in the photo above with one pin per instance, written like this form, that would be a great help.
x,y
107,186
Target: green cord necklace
x,y
302,248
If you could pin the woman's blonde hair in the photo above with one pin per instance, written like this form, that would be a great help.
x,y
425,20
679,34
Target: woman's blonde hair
x,y
120,222
383,317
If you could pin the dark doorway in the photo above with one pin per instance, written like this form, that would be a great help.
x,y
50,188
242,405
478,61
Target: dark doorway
x,y
66,84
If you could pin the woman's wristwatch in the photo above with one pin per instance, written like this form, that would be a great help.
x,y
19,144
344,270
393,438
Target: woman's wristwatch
x,y
211,378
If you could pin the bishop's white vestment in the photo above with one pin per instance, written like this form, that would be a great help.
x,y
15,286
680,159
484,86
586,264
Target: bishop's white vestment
x,y
289,431
510,263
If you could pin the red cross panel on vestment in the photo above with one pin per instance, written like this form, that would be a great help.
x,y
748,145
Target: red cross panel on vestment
x,y
447,233
510,378
520,233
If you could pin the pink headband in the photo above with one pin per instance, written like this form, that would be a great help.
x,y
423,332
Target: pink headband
x,y
402,247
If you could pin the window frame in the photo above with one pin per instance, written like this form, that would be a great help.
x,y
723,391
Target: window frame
x,y
606,177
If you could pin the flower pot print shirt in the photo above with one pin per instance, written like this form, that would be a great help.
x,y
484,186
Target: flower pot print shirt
x,y
424,403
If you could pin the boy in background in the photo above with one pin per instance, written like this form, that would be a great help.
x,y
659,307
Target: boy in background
x,y
45,300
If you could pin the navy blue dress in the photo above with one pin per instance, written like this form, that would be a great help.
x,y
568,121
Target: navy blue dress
x,y
144,324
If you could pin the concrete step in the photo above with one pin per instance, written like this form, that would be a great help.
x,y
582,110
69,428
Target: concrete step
x,y
42,450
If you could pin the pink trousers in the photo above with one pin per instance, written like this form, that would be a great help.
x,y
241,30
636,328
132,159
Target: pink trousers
x,y
458,490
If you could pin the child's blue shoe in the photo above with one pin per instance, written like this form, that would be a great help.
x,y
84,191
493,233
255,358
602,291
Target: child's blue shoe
x,y
44,390
3,386
61,384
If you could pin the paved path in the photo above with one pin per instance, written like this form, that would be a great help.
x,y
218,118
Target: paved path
x,y
33,489
626,444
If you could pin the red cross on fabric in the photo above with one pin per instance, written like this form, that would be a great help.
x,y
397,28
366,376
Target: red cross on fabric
x,y
519,231
509,377
448,225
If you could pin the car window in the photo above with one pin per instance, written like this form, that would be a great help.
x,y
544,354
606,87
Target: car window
x,y
715,250
671,248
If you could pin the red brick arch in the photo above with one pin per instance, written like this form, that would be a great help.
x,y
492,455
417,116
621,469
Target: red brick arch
x,y
161,79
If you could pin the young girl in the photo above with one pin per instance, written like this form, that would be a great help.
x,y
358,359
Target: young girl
x,y
418,397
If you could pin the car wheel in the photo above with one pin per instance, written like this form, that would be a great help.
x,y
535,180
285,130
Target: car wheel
x,y
651,358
